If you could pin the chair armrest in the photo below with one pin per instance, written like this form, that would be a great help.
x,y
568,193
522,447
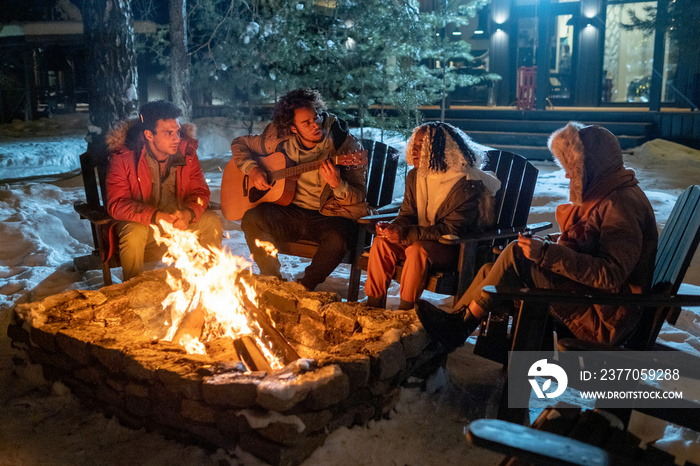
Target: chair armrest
x,y
501,233
619,299
374,219
97,216
392,208
542,448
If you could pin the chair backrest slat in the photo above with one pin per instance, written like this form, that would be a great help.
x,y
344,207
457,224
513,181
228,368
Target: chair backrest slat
x,y
677,242
382,162
94,170
677,245
527,191
88,169
518,177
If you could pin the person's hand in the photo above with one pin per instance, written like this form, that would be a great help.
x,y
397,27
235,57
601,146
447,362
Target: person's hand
x,y
168,218
258,179
182,219
388,231
330,173
531,246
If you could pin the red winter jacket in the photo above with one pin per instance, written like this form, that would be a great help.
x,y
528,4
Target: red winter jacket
x,y
129,178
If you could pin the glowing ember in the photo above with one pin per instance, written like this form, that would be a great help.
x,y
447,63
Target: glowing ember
x,y
212,290
192,345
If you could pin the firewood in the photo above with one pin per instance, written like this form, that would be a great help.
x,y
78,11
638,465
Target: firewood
x,y
279,342
251,355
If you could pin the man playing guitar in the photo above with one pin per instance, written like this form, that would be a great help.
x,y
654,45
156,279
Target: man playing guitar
x,y
325,202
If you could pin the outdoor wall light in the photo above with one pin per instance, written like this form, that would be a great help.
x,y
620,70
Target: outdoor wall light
x,y
456,33
590,12
478,31
500,17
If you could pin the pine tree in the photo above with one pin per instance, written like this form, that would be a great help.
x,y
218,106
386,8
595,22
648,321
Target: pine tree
x,y
441,53
372,60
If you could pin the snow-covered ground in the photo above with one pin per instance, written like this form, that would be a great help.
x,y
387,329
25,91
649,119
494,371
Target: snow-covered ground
x,y
40,234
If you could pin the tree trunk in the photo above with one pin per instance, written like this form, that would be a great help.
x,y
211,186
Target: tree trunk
x,y
444,94
108,27
179,59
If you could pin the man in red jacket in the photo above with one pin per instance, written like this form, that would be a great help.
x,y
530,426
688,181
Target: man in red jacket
x,y
154,175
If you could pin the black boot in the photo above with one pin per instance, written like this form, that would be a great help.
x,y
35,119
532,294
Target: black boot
x,y
450,330
406,305
378,302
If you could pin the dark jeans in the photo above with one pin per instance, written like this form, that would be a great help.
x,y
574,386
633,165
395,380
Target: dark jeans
x,y
275,223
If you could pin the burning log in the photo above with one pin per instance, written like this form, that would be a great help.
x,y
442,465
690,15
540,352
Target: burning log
x,y
278,341
191,325
251,355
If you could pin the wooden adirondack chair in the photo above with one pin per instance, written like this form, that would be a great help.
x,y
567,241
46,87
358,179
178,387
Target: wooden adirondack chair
x,y
532,329
566,436
93,166
513,200
382,161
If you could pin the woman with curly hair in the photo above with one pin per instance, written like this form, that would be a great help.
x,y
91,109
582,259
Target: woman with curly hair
x,y
446,193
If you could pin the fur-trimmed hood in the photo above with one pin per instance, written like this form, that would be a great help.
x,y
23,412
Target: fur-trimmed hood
x,y
588,154
128,133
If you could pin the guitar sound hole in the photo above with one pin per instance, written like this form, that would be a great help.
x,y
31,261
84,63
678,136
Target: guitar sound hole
x,y
255,194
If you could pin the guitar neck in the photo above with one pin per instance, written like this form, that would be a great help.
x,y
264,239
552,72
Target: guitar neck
x,y
297,170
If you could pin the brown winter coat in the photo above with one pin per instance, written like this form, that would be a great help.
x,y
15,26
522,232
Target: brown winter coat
x,y
353,205
469,207
609,235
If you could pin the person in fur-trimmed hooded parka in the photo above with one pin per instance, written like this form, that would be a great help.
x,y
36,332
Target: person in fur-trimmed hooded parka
x,y
446,194
607,243
154,175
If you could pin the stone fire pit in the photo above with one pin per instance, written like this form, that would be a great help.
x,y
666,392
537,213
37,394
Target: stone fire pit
x,y
106,346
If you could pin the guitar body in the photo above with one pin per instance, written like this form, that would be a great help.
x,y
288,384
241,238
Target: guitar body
x,y
238,196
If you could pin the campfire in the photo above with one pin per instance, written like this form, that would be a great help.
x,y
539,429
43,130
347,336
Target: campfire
x,y
212,300
206,351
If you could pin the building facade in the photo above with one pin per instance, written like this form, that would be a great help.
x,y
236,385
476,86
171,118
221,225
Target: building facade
x,y
585,57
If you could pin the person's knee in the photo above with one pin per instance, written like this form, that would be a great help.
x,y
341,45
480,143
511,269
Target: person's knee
x,y
484,270
380,247
133,235
249,220
209,229
510,251
416,253
259,219
337,239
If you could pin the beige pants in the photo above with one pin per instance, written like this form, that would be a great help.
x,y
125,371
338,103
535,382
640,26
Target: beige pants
x,y
418,258
136,241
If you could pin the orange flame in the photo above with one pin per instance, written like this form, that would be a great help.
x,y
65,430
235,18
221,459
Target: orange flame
x,y
268,247
212,279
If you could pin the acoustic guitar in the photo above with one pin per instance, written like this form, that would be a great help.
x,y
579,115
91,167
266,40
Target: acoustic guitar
x,y
238,195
